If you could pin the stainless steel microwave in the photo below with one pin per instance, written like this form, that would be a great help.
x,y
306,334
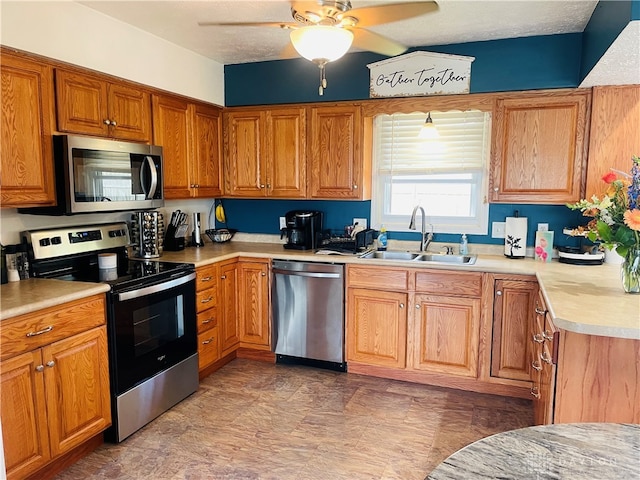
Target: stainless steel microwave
x,y
100,175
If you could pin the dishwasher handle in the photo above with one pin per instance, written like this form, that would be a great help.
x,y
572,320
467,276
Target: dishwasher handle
x,y
306,274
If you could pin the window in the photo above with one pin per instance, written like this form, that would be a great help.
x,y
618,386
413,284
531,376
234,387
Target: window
x,y
447,175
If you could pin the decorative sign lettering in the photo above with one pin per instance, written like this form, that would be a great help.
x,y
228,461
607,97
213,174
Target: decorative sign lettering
x,y
419,74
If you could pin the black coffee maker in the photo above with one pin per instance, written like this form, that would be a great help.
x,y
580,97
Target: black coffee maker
x,y
303,229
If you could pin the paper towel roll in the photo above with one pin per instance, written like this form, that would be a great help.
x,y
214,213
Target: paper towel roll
x,y
515,237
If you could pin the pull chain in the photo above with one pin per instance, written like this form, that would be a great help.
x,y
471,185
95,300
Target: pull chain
x,y
323,78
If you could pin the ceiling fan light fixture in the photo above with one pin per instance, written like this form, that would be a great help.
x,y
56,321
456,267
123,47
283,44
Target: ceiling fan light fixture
x,y
428,130
320,43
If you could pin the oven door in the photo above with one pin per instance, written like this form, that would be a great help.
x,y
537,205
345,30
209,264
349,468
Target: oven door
x,y
151,329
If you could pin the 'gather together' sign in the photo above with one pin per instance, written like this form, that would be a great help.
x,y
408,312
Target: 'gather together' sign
x,y
420,73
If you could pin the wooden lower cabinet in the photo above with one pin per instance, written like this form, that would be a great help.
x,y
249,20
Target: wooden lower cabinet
x,y
446,331
228,310
253,309
207,315
376,327
513,312
54,397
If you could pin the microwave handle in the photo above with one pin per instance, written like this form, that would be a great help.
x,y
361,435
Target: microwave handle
x,y
154,178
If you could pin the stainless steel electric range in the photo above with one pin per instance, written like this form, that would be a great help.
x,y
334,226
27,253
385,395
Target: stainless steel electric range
x,y
151,318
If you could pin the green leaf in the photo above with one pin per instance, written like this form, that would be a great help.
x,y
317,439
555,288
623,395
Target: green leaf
x,y
604,232
624,236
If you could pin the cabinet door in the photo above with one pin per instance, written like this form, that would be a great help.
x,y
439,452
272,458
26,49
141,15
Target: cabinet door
x,y
244,154
446,331
335,152
82,104
254,308
171,130
229,327
376,327
24,421
129,113
206,168
538,151
26,146
286,170
513,314
77,389
615,133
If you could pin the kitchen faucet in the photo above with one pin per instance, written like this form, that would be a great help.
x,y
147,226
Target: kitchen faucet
x,y
426,239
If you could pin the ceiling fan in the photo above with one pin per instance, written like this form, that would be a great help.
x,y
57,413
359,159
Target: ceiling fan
x,y
324,30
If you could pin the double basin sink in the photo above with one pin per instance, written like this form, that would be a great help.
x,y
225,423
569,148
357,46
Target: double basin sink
x,y
421,257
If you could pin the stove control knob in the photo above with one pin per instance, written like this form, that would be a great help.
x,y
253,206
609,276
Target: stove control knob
x,y
45,242
56,240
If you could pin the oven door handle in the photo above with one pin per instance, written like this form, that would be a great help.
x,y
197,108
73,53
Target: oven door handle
x,y
156,288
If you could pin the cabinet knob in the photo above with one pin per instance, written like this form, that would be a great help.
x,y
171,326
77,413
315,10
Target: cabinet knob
x,y
499,293
418,306
39,368
51,363
197,185
106,121
402,305
355,187
262,185
268,185
191,185
113,122
263,274
223,277
495,189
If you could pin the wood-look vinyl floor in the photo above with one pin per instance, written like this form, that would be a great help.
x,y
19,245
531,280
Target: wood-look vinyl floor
x,y
254,420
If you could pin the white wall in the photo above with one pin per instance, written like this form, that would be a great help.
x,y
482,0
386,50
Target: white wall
x,y
76,34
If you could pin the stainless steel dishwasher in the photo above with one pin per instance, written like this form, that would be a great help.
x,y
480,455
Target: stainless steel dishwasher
x,y
308,313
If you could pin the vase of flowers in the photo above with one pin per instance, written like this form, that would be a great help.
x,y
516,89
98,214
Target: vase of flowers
x,y
616,220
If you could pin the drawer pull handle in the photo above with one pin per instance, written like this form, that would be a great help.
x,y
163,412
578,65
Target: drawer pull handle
x,y
539,311
536,366
205,279
208,320
206,300
51,363
39,368
544,356
538,338
207,341
547,335
40,332
534,392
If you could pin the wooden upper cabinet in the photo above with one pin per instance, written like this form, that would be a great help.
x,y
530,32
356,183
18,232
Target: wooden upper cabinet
x,y
266,152
26,145
189,134
539,147
206,167
90,105
615,133
336,161
172,130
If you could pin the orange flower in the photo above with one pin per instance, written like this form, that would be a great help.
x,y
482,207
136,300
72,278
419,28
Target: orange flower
x,y
632,219
609,177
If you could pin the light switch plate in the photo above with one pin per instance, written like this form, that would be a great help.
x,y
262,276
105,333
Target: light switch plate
x,y
497,229
283,223
362,222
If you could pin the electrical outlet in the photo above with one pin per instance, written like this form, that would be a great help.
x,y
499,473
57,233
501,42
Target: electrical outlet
x,y
497,229
362,222
283,223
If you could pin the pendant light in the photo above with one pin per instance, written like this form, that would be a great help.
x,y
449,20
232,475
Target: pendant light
x,y
321,44
428,130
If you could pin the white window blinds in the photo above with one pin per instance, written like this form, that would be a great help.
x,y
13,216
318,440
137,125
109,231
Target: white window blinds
x,y
461,146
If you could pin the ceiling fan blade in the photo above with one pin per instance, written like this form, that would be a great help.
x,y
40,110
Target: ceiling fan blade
x,y
289,52
376,15
376,43
285,25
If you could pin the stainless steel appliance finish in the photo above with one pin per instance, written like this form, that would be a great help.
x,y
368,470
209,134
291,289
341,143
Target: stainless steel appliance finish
x,y
101,175
152,398
151,318
308,311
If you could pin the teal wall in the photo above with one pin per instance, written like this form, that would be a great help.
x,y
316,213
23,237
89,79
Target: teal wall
x,y
528,63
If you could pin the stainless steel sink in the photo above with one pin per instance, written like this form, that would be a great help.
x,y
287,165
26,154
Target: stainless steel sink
x,y
422,257
453,259
388,255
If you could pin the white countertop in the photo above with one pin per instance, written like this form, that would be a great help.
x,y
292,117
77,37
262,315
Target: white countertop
x,y
582,299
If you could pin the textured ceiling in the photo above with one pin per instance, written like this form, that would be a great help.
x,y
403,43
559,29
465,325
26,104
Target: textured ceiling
x,y
457,21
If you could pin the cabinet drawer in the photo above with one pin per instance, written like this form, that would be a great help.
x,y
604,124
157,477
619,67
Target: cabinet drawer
x,y
208,351
207,319
378,277
205,299
449,283
33,330
206,277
